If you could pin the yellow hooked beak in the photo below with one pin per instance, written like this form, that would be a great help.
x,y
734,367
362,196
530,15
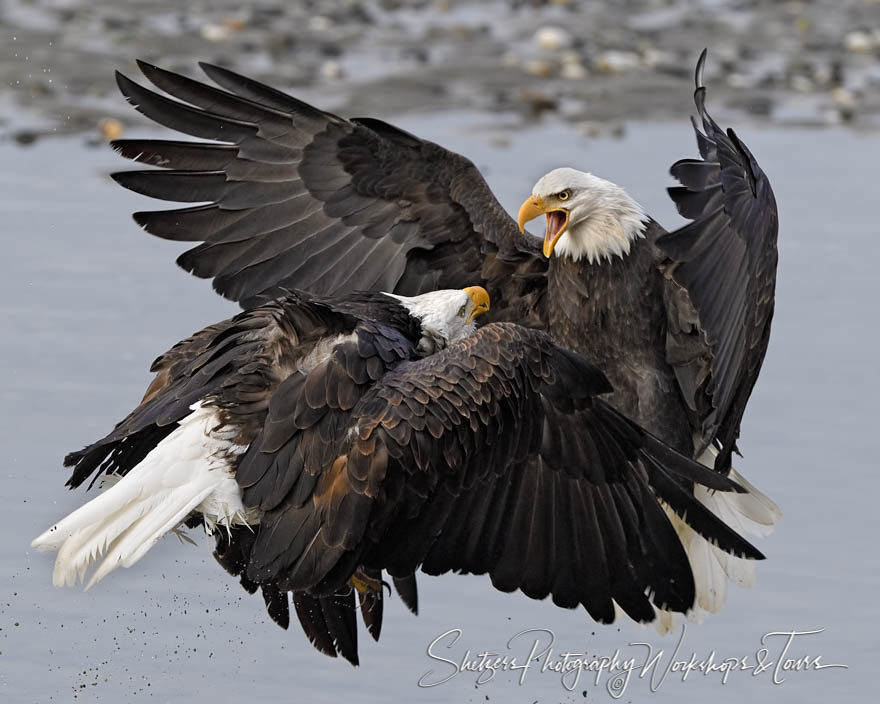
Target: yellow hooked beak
x,y
555,226
480,297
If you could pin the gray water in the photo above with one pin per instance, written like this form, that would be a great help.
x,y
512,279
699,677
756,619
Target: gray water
x,y
87,301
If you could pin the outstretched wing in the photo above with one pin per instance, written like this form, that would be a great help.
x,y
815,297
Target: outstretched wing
x,y
299,198
723,276
491,456
237,360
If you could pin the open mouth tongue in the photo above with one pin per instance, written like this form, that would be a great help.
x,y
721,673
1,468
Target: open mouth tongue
x,y
555,222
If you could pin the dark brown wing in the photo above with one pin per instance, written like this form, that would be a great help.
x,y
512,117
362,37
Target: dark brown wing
x,y
169,366
300,198
190,371
721,296
491,456
237,362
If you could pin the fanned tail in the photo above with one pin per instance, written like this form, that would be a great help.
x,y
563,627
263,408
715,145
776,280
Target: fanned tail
x,y
187,471
750,514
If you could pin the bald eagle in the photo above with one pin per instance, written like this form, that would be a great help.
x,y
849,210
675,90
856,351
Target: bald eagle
x,y
326,440
173,459
679,322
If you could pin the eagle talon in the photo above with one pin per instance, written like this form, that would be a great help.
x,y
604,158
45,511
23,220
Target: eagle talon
x,y
364,584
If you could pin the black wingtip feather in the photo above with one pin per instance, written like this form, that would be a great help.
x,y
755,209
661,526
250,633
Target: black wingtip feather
x,y
311,618
276,605
71,458
182,117
126,86
257,92
408,590
698,73
372,607
146,67
689,469
181,186
700,518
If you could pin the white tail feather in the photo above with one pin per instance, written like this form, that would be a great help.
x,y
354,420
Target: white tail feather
x,y
751,514
189,470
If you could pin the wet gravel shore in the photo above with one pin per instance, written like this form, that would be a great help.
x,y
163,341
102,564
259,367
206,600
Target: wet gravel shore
x,y
594,64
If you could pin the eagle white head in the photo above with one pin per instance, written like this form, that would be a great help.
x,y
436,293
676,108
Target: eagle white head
x,y
447,315
587,216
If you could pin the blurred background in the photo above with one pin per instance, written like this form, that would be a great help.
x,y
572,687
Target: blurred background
x,y
87,300
592,64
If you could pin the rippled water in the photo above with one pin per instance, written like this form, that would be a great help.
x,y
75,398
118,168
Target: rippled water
x,y
87,301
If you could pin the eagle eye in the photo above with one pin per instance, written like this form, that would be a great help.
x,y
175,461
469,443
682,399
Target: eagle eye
x,y
462,311
564,195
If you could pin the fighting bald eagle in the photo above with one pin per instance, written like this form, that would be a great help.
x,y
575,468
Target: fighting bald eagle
x,y
296,197
326,440
173,458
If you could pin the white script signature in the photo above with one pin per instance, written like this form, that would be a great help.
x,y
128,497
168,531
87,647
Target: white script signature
x,y
534,652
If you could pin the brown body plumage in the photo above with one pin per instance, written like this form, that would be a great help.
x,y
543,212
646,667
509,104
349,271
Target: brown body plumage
x,y
613,314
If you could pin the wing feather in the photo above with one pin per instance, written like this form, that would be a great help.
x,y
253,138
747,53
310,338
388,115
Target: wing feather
x,y
491,490
720,295
287,185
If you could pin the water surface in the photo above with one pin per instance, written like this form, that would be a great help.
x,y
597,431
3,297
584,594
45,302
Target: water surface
x,y
87,301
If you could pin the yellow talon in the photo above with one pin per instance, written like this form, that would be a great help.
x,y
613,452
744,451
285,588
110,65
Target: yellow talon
x,y
364,584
